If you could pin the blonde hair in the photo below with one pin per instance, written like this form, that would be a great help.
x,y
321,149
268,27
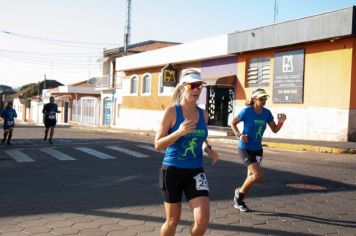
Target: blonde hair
x,y
177,94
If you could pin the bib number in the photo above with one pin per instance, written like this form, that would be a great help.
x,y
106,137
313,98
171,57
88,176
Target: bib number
x,y
51,116
201,182
259,159
10,123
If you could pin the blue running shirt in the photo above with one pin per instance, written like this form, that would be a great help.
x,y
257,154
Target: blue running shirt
x,y
254,126
8,115
187,152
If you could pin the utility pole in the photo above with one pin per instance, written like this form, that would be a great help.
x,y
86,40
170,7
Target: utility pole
x,y
275,11
127,33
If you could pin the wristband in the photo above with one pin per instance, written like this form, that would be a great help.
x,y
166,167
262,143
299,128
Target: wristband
x,y
238,136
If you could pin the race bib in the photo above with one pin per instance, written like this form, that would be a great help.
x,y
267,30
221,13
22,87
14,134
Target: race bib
x,y
201,182
259,159
9,123
51,116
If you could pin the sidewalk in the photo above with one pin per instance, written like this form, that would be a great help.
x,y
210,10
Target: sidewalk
x,y
291,144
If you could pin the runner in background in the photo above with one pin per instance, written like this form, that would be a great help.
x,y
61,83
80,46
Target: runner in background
x,y
183,133
255,117
49,110
9,115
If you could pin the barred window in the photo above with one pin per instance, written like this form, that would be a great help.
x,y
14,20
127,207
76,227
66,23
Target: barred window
x,y
259,72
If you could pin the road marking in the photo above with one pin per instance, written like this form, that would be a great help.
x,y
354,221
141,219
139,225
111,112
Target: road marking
x,y
128,151
96,153
19,156
57,154
148,148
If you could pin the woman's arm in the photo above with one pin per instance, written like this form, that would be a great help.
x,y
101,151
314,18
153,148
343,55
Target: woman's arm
x,y
276,127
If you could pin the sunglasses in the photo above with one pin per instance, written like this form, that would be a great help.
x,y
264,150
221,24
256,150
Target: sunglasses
x,y
193,86
262,98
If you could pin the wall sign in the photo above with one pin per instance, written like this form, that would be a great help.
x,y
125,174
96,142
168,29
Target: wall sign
x,y
288,82
170,78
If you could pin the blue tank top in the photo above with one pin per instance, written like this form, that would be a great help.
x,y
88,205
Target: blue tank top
x,y
187,152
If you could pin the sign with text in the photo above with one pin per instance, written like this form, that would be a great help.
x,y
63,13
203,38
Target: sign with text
x,y
170,78
288,82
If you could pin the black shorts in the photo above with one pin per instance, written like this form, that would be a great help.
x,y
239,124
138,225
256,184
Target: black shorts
x,y
249,157
50,123
8,125
174,181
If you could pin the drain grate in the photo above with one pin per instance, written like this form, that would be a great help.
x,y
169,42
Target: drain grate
x,y
306,187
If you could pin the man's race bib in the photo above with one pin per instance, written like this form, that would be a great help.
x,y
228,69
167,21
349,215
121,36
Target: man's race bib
x,y
201,182
259,159
52,116
10,123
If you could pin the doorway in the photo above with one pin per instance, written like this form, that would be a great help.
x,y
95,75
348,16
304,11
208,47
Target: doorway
x,y
219,104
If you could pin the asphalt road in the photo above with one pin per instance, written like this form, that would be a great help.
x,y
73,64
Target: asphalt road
x,y
100,183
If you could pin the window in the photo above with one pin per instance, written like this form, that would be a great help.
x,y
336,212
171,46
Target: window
x,y
164,90
133,84
259,72
146,84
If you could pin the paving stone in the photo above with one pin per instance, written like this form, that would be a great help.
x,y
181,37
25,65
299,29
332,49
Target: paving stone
x,y
65,230
10,228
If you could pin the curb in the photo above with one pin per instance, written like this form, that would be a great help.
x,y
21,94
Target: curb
x,y
310,148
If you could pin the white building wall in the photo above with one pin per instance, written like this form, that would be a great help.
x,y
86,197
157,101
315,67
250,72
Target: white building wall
x,y
313,123
19,109
138,119
36,112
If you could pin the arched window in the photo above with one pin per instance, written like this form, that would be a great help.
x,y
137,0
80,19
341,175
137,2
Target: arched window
x,y
146,84
133,84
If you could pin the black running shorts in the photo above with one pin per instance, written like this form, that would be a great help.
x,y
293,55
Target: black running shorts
x,y
50,123
249,157
174,181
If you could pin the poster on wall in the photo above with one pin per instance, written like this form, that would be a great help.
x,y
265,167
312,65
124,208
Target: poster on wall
x,y
288,82
169,74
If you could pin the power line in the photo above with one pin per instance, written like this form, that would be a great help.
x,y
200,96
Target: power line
x,y
53,40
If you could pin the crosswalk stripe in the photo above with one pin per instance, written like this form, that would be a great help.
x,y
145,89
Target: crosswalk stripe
x,y
96,153
57,154
148,148
19,156
128,151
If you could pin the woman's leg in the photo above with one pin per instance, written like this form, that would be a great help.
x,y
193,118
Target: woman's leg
x,y
5,135
173,211
254,175
201,212
10,136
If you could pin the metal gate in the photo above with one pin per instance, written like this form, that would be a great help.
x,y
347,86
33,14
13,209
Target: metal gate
x,y
107,111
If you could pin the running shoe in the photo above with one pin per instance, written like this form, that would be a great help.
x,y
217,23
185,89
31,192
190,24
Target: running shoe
x,y
241,205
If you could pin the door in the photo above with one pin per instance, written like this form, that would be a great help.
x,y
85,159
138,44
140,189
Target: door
x,y
219,106
107,111
66,106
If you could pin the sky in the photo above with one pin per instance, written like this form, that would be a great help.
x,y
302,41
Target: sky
x,y
64,39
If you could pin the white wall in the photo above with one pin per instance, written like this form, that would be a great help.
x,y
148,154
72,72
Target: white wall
x,y
314,123
138,119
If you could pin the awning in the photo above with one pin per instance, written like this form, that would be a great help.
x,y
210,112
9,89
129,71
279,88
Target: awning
x,y
228,81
